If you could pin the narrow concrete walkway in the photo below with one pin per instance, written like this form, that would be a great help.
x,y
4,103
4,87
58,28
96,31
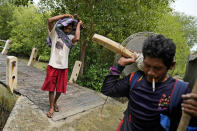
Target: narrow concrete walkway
x,y
77,99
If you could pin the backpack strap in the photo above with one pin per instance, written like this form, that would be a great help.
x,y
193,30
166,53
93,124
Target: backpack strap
x,y
131,76
164,119
135,76
179,89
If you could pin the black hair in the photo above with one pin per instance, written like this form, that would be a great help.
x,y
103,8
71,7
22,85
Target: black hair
x,y
62,27
73,28
71,24
157,46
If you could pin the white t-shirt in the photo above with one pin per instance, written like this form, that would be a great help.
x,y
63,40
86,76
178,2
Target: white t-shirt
x,y
59,51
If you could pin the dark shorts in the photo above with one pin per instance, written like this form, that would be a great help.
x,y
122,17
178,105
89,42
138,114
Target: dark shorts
x,y
56,80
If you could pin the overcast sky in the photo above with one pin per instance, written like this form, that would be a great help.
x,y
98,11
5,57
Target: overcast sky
x,y
189,7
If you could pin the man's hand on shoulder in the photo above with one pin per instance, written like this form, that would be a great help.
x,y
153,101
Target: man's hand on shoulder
x,y
126,61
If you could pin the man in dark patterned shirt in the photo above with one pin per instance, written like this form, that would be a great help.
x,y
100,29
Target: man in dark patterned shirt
x,y
147,101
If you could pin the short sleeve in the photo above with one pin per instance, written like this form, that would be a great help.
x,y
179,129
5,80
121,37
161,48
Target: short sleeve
x,y
71,37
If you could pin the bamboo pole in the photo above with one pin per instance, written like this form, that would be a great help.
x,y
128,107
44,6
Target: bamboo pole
x,y
185,118
112,45
118,48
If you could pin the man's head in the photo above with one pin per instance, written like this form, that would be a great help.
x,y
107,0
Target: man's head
x,y
158,53
68,29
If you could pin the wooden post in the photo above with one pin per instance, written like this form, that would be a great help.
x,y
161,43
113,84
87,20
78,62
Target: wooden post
x,y
11,72
32,57
185,118
75,72
6,47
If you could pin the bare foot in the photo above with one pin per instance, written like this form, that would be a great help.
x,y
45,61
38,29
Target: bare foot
x,y
50,113
56,108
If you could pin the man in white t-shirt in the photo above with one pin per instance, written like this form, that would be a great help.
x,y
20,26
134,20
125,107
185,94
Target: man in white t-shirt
x,y
57,70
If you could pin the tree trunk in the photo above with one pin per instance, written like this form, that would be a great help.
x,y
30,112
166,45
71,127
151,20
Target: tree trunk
x,y
82,56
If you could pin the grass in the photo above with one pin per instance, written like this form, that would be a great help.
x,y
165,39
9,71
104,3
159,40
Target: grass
x,y
95,121
7,102
37,64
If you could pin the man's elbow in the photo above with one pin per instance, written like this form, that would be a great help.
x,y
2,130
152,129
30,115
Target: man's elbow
x,y
102,91
105,92
77,39
49,20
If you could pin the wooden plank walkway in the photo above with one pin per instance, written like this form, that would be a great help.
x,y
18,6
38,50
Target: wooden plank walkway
x,y
76,100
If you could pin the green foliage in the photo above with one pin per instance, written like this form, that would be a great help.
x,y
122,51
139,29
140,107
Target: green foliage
x,y
96,68
94,76
29,29
189,24
22,2
7,102
171,27
44,58
5,17
17,2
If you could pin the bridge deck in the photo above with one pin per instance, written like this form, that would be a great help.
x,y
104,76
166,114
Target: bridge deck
x,y
76,100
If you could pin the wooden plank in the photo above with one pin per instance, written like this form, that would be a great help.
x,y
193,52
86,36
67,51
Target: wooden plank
x,y
78,102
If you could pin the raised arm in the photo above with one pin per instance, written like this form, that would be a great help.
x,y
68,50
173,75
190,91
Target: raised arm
x,y
112,85
56,18
77,32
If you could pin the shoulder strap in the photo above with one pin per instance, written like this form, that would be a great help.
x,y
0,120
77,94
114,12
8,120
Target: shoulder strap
x,y
135,76
179,89
131,76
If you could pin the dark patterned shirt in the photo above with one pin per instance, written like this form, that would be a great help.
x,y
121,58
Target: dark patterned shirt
x,y
145,106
